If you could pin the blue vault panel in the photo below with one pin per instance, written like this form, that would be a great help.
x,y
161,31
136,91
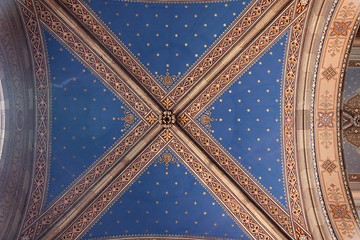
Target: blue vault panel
x,y
166,200
167,37
86,118
246,120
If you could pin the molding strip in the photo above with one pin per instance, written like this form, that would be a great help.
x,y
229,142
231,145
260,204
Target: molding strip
x,y
88,180
86,216
246,214
232,42
240,64
157,237
325,120
290,161
177,1
41,147
124,57
92,55
244,180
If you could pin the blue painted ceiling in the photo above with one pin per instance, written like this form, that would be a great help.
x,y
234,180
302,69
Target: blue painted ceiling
x,y
87,119
166,200
167,37
246,120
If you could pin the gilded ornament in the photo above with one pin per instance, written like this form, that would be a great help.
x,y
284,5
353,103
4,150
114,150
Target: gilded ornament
x,y
168,79
129,118
167,119
166,159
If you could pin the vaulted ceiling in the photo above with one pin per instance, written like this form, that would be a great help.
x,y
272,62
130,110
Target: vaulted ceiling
x,y
189,120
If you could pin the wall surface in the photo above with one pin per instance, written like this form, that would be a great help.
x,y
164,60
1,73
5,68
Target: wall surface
x,y
17,120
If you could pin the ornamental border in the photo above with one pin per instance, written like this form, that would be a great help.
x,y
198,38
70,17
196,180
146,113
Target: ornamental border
x,y
160,237
35,202
90,59
41,78
335,199
179,1
242,62
288,131
301,228
113,191
219,48
114,45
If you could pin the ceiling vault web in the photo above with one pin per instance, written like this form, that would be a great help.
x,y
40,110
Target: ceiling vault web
x,y
106,58
236,48
107,188
221,185
128,79
242,61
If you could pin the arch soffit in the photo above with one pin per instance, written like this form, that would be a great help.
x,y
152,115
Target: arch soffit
x,y
328,202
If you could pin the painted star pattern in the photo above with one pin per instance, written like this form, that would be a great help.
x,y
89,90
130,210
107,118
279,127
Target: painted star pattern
x,y
247,120
167,37
87,119
166,200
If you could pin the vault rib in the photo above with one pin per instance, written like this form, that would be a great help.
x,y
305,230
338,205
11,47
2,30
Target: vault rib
x,y
88,180
200,76
106,194
282,23
235,171
126,168
114,47
240,207
111,73
230,72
